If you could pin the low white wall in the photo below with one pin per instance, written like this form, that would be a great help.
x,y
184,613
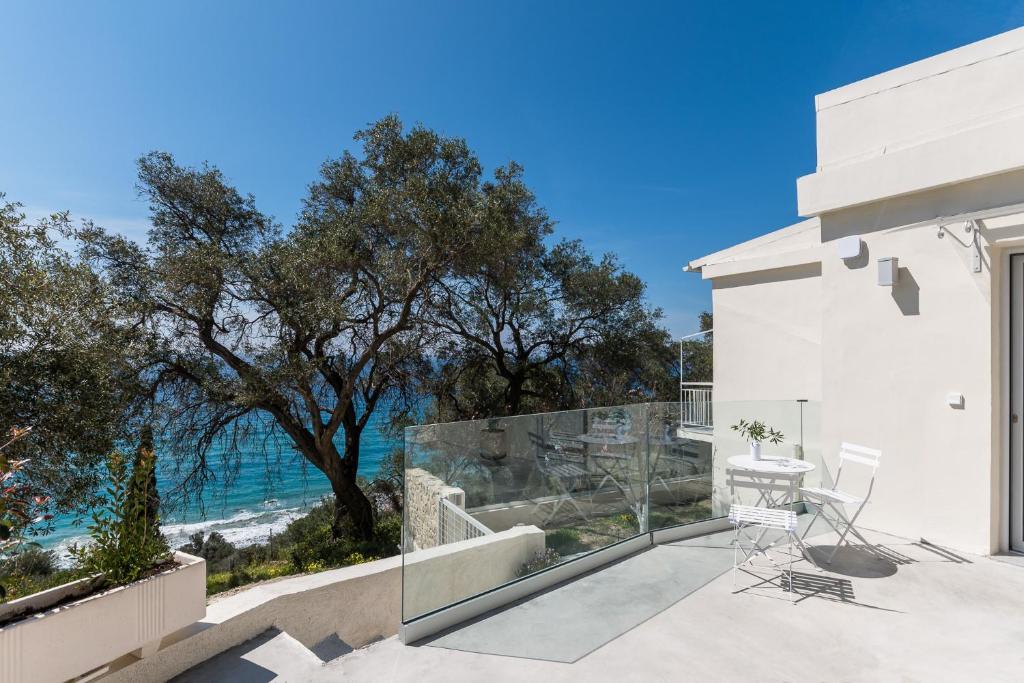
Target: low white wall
x,y
440,576
358,604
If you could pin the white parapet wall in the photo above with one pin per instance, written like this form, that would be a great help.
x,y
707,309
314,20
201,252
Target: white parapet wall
x,y
440,576
357,605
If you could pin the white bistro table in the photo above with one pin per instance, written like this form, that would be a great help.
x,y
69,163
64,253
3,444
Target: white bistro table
x,y
766,474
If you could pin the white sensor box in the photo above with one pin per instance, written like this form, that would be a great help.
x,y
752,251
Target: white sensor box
x,y
888,271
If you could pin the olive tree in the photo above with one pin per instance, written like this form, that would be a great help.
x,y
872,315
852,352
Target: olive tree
x,y
304,332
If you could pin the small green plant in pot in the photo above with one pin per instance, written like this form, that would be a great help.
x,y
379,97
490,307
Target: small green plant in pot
x,y
757,432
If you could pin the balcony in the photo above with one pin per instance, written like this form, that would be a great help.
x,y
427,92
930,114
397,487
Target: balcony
x,y
592,545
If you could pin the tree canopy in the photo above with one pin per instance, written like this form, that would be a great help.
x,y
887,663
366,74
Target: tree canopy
x,y
530,326
68,363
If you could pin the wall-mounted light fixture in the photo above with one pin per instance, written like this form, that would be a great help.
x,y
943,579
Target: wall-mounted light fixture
x,y
888,271
849,247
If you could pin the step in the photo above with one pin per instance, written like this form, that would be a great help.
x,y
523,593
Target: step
x,y
271,656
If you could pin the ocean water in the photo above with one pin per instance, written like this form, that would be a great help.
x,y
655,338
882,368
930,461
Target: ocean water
x,y
263,496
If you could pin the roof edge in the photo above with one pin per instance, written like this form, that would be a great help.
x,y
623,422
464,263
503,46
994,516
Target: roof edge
x,y
736,251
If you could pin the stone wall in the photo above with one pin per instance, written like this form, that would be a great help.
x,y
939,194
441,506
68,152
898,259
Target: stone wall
x,y
423,491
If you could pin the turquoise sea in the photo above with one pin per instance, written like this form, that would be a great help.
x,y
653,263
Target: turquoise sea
x,y
261,499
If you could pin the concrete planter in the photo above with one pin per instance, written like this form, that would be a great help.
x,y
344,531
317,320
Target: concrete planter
x,y
56,643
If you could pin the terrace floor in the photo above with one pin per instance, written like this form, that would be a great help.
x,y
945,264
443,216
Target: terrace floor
x,y
669,613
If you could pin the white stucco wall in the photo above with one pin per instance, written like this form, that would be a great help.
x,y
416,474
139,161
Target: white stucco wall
x,y
778,312
890,357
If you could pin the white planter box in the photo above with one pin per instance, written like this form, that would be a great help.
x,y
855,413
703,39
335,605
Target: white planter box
x,y
77,637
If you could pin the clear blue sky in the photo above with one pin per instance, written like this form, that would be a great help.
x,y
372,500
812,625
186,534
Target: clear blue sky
x,y
658,131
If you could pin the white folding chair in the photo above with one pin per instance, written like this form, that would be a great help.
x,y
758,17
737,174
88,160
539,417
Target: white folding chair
x,y
772,490
746,517
836,500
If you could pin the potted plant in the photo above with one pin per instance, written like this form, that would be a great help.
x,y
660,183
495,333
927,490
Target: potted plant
x,y
757,432
133,592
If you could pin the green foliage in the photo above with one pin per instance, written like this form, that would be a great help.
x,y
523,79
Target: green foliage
x,y
565,541
30,570
218,582
215,549
68,361
20,510
530,326
305,546
698,353
125,541
388,486
312,543
757,431
29,562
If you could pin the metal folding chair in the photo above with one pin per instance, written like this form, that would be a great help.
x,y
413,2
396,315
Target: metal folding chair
x,y
835,500
566,474
746,518
771,490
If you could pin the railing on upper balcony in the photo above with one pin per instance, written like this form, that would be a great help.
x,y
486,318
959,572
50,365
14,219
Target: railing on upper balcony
x,y
695,405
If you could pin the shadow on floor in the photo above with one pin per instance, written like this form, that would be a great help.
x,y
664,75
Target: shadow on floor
x,y
947,555
232,665
330,648
855,561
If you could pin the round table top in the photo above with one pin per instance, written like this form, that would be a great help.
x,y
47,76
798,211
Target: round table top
x,y
610,439
771,464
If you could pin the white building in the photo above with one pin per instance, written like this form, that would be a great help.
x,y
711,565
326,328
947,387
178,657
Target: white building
x,y
924,164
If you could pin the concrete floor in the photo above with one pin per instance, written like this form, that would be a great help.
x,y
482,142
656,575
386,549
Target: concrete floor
x,y
670,613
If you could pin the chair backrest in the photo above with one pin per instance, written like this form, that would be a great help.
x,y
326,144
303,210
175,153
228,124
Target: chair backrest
x,y
851,452
761,484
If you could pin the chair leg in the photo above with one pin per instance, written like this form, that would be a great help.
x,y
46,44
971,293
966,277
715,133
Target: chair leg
x,y
735,556
792,591
817,513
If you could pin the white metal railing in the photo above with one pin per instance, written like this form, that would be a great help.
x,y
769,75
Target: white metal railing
x,y
695,404
454,524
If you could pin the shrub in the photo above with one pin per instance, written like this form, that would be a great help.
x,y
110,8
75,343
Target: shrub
x,y
30,562
126,542
565,541
218,552
542,560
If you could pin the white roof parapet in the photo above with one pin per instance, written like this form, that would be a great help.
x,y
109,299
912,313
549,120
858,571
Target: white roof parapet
x,y
989,48
948,119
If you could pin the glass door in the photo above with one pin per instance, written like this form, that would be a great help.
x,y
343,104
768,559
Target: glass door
x,y
1017,402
